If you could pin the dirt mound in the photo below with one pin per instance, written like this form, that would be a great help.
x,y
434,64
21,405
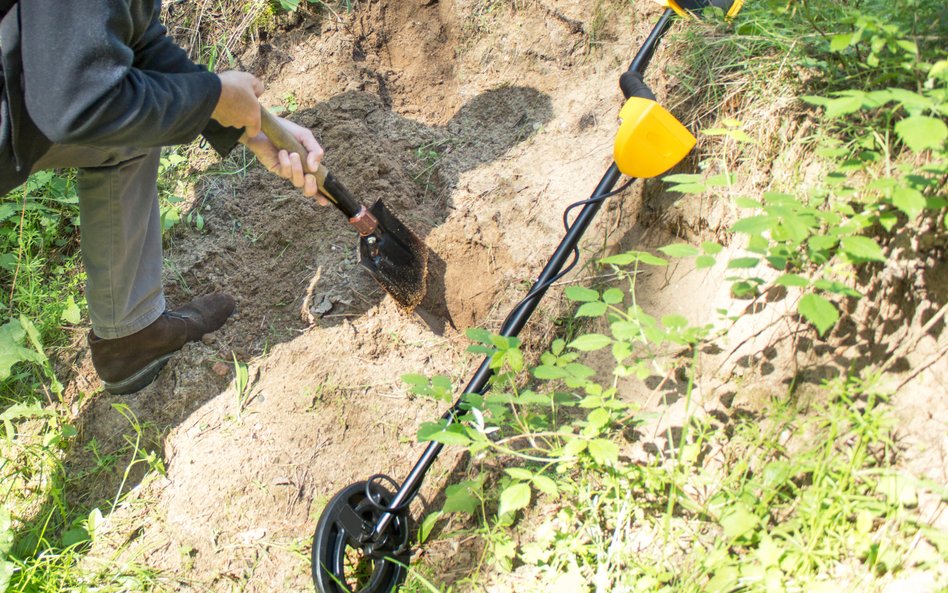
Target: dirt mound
x,y
476,150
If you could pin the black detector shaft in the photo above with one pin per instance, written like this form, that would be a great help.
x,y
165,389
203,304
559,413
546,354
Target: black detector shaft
x,y
521,314
366,516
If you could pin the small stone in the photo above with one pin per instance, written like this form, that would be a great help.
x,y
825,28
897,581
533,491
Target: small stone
x,y
322,307
208,339
221,369
248,537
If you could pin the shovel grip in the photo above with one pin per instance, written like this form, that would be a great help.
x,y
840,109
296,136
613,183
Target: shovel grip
x,y
329,186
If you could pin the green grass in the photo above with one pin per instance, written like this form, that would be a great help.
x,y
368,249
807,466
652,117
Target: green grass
x,y
48,521
40,269
45,514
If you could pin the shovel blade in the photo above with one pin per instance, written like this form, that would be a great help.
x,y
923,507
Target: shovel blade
x,y
396,258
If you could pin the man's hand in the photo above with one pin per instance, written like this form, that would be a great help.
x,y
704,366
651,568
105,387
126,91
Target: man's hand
x,y
289,165
238,106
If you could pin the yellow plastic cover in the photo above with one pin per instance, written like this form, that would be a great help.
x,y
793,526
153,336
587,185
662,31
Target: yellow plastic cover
x,y
731,12
650,140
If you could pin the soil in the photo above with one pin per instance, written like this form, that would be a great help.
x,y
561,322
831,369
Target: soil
x,y
477,123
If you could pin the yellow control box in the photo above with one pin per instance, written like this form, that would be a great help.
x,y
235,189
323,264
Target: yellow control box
x,y
650,140
686,8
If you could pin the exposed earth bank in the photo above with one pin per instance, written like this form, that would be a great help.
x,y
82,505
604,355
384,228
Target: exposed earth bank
x,y
478,123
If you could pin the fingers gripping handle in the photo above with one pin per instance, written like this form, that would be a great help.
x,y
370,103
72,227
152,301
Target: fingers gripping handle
x,y
329,186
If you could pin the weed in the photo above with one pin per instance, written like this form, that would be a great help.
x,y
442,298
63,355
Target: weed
x,y
429,156
883,112
241,386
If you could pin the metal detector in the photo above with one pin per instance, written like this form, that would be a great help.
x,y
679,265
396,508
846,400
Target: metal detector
x,y
362,539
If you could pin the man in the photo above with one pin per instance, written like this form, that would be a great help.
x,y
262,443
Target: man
x,y
98,85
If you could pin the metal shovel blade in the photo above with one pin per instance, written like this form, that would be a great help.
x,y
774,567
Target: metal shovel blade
x,y
396,258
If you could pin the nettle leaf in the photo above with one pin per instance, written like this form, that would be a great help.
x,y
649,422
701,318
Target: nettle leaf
x,y
447,435
579,371
682,178
689,188
604,451
746,203
548,372
836,287
908,200
920,132
519,473
514,359
743,262
840,42
704,261
442,382
842,106
652,260
752,225
722,179
7,210
613,296
912,101
592,309
514,498
789,280
907,45
424,530
12,337
675,321
590,342
464,497
415,379
862,248
888,220
71,313
680,250
818,311
581,294
739,522
574,447
478,334
711,248
598,419
545,485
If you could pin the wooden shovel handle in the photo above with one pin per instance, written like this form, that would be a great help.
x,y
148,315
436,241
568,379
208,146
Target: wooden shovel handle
x,y
334,191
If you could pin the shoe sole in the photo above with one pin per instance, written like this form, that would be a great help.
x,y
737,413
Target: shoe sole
x,y
139,380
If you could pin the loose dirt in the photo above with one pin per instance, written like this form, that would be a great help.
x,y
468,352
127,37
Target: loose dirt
x,y
477,123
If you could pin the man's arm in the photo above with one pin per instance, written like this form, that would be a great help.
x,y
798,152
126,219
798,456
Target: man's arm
x,y
82,85
156,51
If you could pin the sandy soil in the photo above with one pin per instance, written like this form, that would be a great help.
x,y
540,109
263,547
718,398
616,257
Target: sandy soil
x,y
477,124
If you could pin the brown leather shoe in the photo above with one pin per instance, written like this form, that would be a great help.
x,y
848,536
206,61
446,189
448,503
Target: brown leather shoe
x,y
128,364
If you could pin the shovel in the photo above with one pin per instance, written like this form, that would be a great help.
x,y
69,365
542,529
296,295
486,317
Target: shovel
x,y
390,251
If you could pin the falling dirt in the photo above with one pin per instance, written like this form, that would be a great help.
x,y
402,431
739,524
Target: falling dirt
x,y
477,123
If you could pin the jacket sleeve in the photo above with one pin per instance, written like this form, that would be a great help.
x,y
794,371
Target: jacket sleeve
x,y
102,72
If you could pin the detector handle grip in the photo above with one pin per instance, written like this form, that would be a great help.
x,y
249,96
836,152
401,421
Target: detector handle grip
x,y
632,85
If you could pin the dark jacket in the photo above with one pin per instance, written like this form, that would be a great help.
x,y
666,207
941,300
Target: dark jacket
x,y
101,73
